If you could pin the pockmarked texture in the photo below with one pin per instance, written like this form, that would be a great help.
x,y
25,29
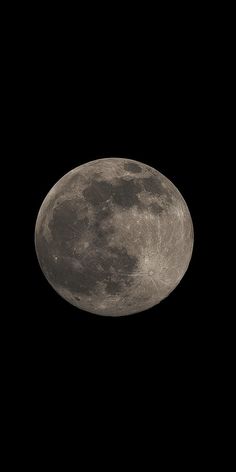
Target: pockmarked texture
x,y
114,237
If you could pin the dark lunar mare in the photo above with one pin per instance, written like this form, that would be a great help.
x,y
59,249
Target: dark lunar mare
x,y
99,264
132,167
153,185
123,192
155,208
67,225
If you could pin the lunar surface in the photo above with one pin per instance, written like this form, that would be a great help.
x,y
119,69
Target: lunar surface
x,y
114,237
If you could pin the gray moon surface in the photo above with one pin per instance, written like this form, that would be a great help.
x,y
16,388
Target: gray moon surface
x,y
114,237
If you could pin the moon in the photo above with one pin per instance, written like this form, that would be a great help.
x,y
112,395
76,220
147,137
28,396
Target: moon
x,y
114,237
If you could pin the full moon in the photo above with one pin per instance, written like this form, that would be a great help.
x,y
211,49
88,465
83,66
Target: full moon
x,y
114,237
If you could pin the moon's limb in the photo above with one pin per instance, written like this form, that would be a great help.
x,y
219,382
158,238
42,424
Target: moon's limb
x,y
114,237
